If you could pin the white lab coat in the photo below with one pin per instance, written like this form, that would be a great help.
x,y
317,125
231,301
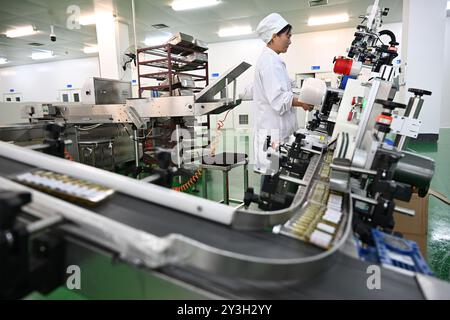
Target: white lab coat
x,y
272,110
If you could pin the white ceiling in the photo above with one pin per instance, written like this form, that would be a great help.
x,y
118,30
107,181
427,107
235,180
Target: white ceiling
x,y
203,24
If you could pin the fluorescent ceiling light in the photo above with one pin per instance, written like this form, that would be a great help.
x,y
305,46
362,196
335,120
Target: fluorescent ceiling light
x,y
42,55
3,61
179,5
20,32
87,20
235,31
317,21
448,5
155,41
90,49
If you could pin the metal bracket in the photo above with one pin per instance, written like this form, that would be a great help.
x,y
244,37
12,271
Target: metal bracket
x,y
405,126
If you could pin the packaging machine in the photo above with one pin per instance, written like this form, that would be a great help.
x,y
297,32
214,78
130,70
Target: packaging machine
x,y
326,190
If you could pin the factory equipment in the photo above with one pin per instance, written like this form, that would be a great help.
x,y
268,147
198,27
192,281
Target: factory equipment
x,y
112,136
134,224
100,91
324,119
349,135
365,50
179,64
323,187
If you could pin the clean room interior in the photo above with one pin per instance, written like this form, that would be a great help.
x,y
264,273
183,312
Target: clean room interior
x,y
150,108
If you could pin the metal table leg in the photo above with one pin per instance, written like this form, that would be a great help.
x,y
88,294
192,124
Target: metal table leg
x,y
226,195
245,177
204,183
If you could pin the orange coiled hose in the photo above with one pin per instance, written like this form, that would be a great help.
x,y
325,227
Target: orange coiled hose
x,y
193,180
215,143
67,155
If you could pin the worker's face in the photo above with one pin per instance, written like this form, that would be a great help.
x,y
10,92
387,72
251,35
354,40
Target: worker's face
x,y
281,43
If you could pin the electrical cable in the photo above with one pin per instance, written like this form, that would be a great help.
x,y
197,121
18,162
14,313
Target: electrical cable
x,y
192,180
220,125
88,128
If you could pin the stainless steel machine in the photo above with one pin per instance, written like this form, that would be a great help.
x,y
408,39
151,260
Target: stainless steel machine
x,y
107,129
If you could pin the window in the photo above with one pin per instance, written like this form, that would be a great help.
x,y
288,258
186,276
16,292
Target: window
x,y
243,119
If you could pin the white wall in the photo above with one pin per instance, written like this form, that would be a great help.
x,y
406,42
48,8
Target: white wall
x,y
445,111
306,50
424,28
41,82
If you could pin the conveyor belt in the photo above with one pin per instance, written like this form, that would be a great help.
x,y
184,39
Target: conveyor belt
x,y
10,167
346,279
161,221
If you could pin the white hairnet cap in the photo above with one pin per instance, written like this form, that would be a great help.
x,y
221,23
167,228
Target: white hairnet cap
x,y
271,24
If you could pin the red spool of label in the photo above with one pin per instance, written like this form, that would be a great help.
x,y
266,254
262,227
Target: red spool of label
x,y
384,119
343,66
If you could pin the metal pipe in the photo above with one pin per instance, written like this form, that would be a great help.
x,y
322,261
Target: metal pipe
x,y
151,178
136,147
293,180
414,107
245,177
311,150
42,146
401,210
226,91
133,9
37,147
226,195
179,149
234,91
416,111
204,183
352,169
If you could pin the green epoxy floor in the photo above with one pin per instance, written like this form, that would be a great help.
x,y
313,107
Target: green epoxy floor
x,y
439,213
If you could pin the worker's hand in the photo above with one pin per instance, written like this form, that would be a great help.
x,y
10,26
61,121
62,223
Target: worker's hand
x,y
307,107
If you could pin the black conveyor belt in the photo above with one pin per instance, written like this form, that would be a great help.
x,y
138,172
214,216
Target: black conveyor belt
x,y
346,279
161,221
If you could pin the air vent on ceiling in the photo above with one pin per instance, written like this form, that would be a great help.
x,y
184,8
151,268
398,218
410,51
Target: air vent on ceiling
x,y
160,26
316,3
35,44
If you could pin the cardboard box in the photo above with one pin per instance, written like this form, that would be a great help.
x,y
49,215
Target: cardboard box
x,y
414,228
417,224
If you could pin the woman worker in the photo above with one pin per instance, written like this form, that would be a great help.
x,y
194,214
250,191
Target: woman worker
x,y
273,108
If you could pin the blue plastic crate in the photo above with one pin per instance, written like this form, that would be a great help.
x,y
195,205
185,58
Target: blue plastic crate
x,y
367,253
398,252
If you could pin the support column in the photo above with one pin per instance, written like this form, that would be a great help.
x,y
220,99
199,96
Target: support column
x,y
113,40
423,57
